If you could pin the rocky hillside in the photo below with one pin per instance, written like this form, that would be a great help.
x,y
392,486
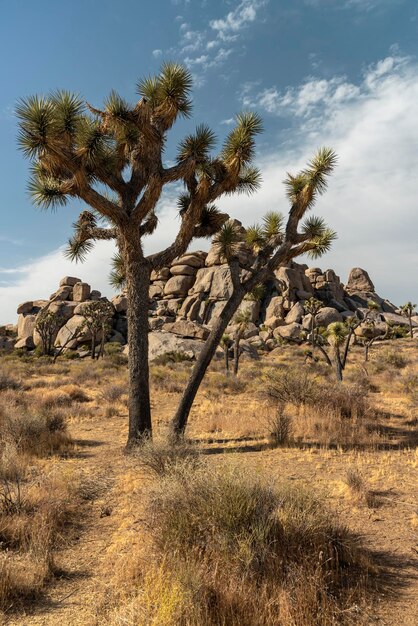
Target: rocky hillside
x,y
186,298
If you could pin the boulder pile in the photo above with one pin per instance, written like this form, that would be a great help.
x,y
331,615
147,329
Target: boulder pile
x,y
187,297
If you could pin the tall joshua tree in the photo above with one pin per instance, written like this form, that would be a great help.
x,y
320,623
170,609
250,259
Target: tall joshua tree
x,y
271,244
407,310
111,159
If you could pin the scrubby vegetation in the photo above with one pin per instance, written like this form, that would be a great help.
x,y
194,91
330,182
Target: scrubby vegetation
x,y
187,534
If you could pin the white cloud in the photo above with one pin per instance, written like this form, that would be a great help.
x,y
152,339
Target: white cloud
x,y
360,5
41,277
205,49
157,53
243,15
371,201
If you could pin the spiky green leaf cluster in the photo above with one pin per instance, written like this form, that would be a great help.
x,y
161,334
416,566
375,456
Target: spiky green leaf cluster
x,y
168,93
227,240
239,146
117,276
270,232
198,145
304,187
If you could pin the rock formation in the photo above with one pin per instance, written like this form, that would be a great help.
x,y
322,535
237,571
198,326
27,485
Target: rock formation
x,y
186,298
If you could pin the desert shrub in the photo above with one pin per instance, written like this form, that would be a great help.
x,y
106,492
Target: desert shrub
x,y
301,389
280,427
172,357
70,355
113,392
292,386
229,549
112,348
410,384
170,379
38,433
390,358
161,457
8,381
358,487
33,515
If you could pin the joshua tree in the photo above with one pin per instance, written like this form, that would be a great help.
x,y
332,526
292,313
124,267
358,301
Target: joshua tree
x,y
111,159
313,306
226,344
272,244
407,310
242,319
98,315
47,326
336,335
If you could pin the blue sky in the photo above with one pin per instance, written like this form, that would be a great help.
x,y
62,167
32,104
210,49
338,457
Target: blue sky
x,y
336,72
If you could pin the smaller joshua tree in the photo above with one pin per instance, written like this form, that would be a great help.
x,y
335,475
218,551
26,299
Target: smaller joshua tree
x,y
242,319
271,244
98,315
313,306
47,326
336,336
407,310
226,344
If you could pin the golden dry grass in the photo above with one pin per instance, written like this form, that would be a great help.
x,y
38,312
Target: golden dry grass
x,y
365,467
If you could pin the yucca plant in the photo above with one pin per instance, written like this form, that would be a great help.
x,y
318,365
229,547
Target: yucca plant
x,y
112,160
272,243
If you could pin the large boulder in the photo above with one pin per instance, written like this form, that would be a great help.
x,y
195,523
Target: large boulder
x,y
221,287
359,280
186,328
275,308
25,343
291,332
178,285
295,314
203,282
25,325
161,343
327,315
183,270
25,307
68,331
192,259
399,320
62,293
69,281
81,292
120,303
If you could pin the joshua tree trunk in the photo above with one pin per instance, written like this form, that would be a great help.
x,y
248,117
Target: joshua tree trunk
x,y
180,419
338,364
236,353
313,334
137,282
411,333
226,360
93,345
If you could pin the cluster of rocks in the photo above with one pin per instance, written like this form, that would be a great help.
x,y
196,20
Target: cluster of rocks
x,y
187,297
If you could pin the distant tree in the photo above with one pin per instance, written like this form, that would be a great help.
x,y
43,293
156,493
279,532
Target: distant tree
x,y
112,159
98,320
226,344
336,335
272,244
47,326
407,310
242,320
312,306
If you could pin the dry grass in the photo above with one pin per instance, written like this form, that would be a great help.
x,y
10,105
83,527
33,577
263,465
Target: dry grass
x,y
230,549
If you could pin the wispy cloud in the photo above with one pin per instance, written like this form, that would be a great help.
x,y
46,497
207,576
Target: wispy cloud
x,y
11,240
359,5
318,99
210,47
